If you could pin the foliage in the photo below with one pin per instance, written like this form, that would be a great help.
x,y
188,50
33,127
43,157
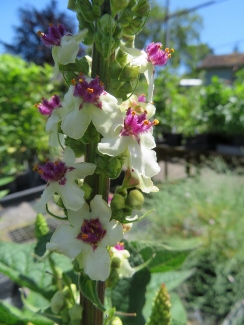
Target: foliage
x,y
209,213
26,42
215,108
23,138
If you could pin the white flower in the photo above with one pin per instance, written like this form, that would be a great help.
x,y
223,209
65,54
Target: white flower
x,y
121,255
140,181
88,102
146,60
61,176
139,105
87,238
65,46
136,140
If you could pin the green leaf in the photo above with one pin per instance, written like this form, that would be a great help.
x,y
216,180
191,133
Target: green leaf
x,y
178,312
10,315
40,247
166,258
6,180
17,262
76,145
88,288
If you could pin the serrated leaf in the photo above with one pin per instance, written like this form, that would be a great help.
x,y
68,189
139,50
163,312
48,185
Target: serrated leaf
x,y
166,258
10,315
88,288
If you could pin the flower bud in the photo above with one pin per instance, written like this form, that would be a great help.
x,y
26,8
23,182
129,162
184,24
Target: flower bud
x,y
116,321
41,226
75,313
135,199
118,202
161,308
142,8
117,6
57,302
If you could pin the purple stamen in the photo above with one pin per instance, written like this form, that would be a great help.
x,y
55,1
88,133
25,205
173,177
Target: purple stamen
x,y
88,91
53,171
156,55
91,232
46,107
54,35
134,124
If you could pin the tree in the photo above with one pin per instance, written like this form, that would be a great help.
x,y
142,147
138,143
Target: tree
x,y
183,34
26,42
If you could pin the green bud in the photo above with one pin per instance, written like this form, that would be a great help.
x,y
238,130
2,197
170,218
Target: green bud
x,y
161,308
135,199
57,302
116,321
118,202
115,262
88,190
75,313
41,226
65,316
117,6
142,8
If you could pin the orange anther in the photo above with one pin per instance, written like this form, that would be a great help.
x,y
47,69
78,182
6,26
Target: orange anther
x,y
90,90
84,236
146,122
155,122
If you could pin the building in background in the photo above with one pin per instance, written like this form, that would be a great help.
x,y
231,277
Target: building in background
x,y
222,66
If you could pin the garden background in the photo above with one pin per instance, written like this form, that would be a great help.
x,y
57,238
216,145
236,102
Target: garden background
x,y
205,211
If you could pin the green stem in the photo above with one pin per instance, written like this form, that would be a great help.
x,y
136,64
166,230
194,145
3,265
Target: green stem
x,y
99,183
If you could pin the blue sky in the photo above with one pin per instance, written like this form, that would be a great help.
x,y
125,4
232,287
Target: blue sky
x,y
223,22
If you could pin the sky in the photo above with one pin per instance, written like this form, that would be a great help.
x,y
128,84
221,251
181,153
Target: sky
x,y
223,21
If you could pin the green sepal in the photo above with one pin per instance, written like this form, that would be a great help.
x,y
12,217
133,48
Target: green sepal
x,y
142,8
76,145
121,90
91,135
129,73
117,6
126,17
88,288
86,10
80,65
110,166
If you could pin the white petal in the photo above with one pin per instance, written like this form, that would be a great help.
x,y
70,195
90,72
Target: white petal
x,y
147,140
149,74
114,233
45,197
71,195
55,59
69,156
76,121
100,209
113,146
96,263
107,119
64,241
68,50
76,217
143,160
80,36
81,170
